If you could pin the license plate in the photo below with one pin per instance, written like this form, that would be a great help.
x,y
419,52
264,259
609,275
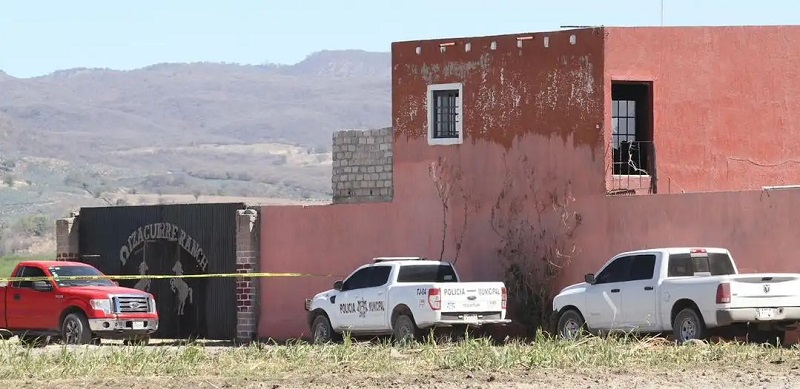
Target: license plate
x,y
138,325
766,313
470,317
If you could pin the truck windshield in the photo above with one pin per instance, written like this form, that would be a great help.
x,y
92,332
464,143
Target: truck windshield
x,y
71,271
426,273
683,265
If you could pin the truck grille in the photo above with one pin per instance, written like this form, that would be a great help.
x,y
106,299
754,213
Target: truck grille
x,y
132,304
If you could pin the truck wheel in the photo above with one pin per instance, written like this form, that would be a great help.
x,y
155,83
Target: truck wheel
x,y
322,330
570,324
404,329
75,329
688,326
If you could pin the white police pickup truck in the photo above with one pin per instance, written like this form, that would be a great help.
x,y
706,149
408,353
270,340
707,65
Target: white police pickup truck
x,y
691,292
402,296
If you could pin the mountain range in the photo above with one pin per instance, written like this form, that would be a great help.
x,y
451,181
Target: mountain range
x,y
205,131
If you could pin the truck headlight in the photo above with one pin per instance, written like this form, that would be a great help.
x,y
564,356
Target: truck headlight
x,y
153,305
101,305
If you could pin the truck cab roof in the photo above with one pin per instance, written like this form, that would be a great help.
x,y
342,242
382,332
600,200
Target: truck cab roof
x,y
51,263
405,261
675,250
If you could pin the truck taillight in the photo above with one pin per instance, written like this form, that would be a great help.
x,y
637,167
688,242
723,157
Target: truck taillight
x,y
724,293
435,299
504,293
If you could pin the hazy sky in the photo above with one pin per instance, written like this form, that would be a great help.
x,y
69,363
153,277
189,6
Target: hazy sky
x,y
38,37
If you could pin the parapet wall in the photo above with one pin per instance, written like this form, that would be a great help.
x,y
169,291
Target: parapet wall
x,y
362,166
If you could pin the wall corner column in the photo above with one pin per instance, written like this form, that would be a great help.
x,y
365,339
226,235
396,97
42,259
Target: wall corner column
x,y
247,249
67,230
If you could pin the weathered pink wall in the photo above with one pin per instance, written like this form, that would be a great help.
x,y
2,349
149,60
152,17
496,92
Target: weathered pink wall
x,y
759,227
532,116
725,102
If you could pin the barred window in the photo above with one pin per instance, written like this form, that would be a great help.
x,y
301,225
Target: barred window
x,y
445,114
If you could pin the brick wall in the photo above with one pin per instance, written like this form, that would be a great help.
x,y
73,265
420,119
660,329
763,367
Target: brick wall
x,y
67,238
246,262
362,166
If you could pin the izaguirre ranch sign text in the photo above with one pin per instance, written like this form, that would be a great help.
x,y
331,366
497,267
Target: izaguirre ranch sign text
x,y
164,231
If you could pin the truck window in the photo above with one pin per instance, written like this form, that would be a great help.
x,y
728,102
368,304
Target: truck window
x,y
642,267
616,271
379,276
27,271
359,279
683,265
426,273
77,271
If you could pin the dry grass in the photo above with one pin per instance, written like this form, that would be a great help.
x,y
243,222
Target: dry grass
x,y
262,361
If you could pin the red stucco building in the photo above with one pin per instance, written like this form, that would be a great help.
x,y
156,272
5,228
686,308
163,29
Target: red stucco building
x,y
571,145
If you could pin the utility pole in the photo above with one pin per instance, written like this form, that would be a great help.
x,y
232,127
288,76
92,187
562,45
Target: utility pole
x,y
662,13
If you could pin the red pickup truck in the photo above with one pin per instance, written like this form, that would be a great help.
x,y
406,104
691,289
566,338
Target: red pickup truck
x,y
81,311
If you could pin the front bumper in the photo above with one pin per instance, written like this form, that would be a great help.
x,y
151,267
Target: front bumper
x,y
110,327
744,315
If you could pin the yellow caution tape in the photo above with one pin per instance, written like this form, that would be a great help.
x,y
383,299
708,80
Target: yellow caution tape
x,y
162,276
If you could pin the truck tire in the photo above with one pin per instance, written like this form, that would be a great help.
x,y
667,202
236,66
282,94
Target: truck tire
x,y
321,330
405,330
570,324
688,326
75,329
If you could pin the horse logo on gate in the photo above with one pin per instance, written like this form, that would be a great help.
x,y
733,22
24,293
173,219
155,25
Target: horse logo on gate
x,y
180,286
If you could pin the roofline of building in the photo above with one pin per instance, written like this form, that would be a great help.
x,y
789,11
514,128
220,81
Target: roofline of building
x,y
600,27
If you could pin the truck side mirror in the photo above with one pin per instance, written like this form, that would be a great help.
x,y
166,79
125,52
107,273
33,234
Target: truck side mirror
x,y
589,279
338,285
42,286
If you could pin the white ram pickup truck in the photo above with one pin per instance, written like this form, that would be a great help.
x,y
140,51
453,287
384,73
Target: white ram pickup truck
x,y
402,296
691,292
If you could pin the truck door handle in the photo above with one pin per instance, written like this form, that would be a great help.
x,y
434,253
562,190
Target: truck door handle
x,y
648,288
17,296
614,290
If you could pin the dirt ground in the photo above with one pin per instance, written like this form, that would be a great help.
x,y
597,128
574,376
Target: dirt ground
x,y
757,375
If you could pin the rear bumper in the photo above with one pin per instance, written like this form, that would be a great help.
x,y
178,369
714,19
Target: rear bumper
x,y
442,323
113,328
743,315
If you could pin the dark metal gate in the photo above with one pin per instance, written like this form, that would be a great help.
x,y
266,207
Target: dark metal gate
x,y
170,240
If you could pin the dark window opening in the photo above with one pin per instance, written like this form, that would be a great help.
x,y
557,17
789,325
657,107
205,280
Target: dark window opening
x,y
379,276
628,268
616,271
632,128
426,273
27,271
445,114
683,265
358,280
78,271
643,267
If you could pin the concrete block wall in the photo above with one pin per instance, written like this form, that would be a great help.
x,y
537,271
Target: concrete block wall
x,y
67,238
246,262
362,166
